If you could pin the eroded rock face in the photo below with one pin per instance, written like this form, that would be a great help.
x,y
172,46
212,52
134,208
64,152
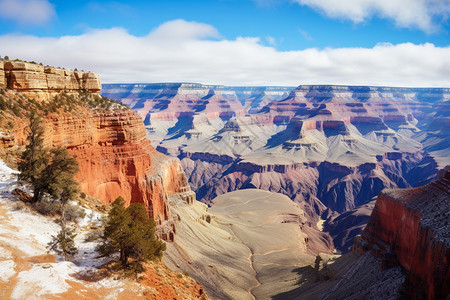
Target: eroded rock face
x,y
116,159
43,83
114,156
411,227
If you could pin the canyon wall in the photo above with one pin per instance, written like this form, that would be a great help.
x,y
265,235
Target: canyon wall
x,y
44,82
116,159
411,228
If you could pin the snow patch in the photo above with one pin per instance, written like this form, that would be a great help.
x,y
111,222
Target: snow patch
x,y
7,270
40,281
27,234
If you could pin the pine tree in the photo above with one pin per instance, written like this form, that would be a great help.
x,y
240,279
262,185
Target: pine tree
x,y
35,158
132,233
114,235
46,171
64,242
59,174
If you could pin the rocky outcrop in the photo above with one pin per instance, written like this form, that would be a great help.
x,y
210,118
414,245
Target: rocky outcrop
x,y
3,83
411,228
114,157
43,83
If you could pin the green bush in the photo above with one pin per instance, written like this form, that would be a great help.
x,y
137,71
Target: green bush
x,y
73,212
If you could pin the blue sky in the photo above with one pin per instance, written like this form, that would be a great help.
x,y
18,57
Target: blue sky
x,y
254,42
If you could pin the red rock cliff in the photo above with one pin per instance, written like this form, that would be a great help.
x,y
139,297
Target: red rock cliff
x,y
116,159
412,227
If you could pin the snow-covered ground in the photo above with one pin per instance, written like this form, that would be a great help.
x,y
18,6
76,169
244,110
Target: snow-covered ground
x,y
28,271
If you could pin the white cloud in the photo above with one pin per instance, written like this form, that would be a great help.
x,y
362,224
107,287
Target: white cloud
x,y
421,14
27,12
184,51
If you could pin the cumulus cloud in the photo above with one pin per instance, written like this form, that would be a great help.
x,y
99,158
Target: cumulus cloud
x,y
27,12
181,51
421,14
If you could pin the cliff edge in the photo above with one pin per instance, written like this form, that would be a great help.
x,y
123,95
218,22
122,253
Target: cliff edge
x,y
411,228
44,82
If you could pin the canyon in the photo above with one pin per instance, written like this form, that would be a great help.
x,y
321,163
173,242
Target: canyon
x,y
287,178
330,149
403,253
411,228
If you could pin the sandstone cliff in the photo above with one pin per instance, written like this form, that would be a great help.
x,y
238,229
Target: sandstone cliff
x,y
116,159
411,228
43,83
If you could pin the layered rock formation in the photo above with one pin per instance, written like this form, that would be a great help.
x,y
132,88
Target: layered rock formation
x,y
171,99
411,228
116,159
329,148
43,83
349,94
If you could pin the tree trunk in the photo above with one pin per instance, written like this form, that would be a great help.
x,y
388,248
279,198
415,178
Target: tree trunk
x,y
36,196
123,257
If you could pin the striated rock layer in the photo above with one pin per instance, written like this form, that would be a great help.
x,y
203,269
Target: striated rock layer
x,y
43,83
411,228
116,159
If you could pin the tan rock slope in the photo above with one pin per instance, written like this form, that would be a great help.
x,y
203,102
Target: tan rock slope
x,y
246,246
